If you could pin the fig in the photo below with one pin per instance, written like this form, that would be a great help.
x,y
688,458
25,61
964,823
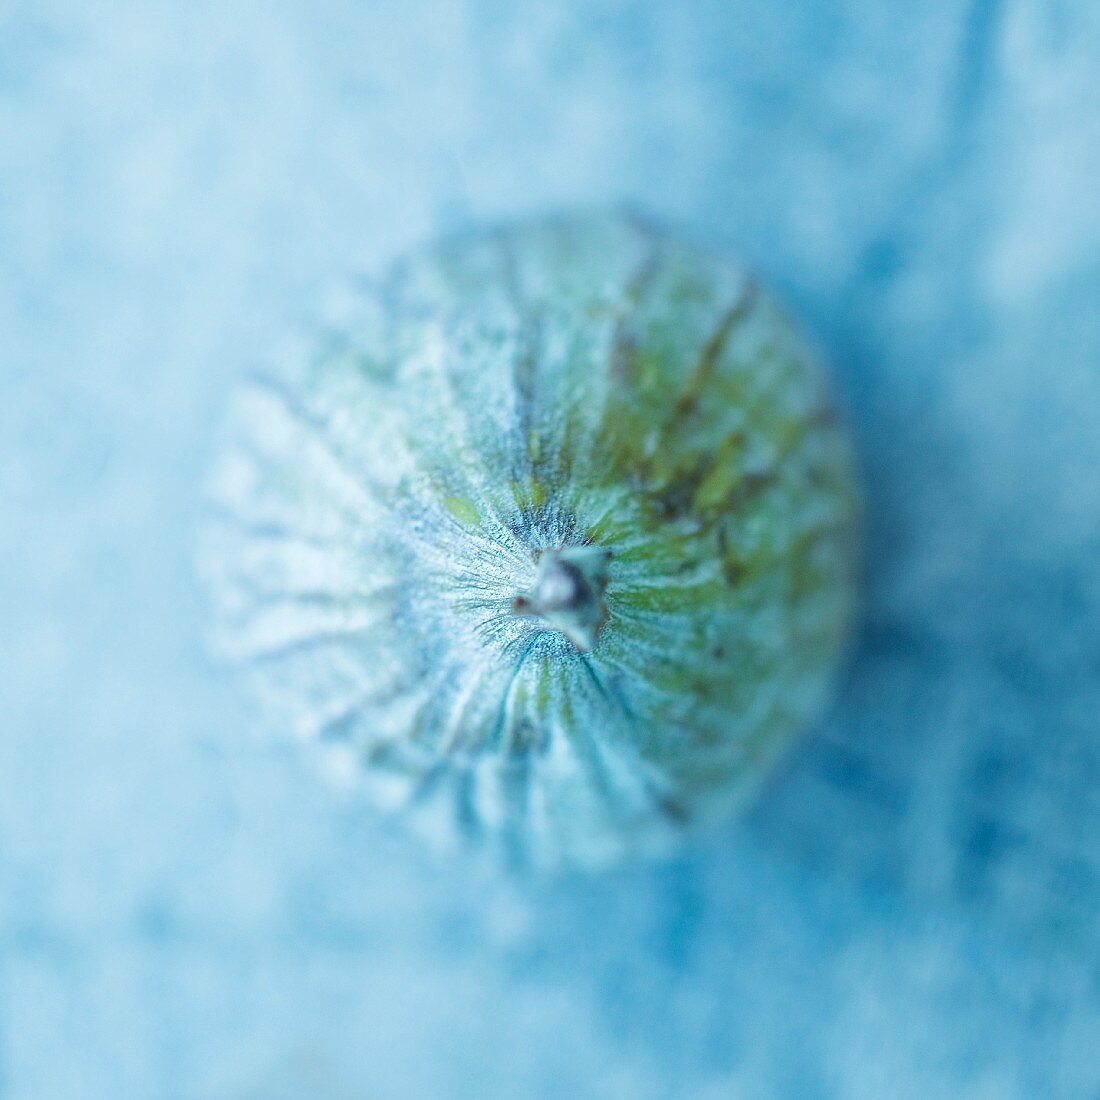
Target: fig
x,y
547,538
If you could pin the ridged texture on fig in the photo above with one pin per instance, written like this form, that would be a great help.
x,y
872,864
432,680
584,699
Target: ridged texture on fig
x,y
386,494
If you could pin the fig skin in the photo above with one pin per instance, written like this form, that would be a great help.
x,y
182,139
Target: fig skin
x,y
549,539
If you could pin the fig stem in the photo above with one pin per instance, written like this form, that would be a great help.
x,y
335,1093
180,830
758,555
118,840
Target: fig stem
x,y
568,593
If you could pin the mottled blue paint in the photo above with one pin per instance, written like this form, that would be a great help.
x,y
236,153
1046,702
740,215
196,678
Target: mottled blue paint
x,y
911,911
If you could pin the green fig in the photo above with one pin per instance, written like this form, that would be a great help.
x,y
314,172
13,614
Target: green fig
x,y
549,539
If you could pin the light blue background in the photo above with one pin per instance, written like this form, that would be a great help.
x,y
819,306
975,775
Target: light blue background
x,y
911,911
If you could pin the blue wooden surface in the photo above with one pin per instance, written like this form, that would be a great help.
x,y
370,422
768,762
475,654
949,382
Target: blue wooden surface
x,y
912,909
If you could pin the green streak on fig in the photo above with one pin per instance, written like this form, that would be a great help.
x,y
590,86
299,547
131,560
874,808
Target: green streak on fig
x,y
550,540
